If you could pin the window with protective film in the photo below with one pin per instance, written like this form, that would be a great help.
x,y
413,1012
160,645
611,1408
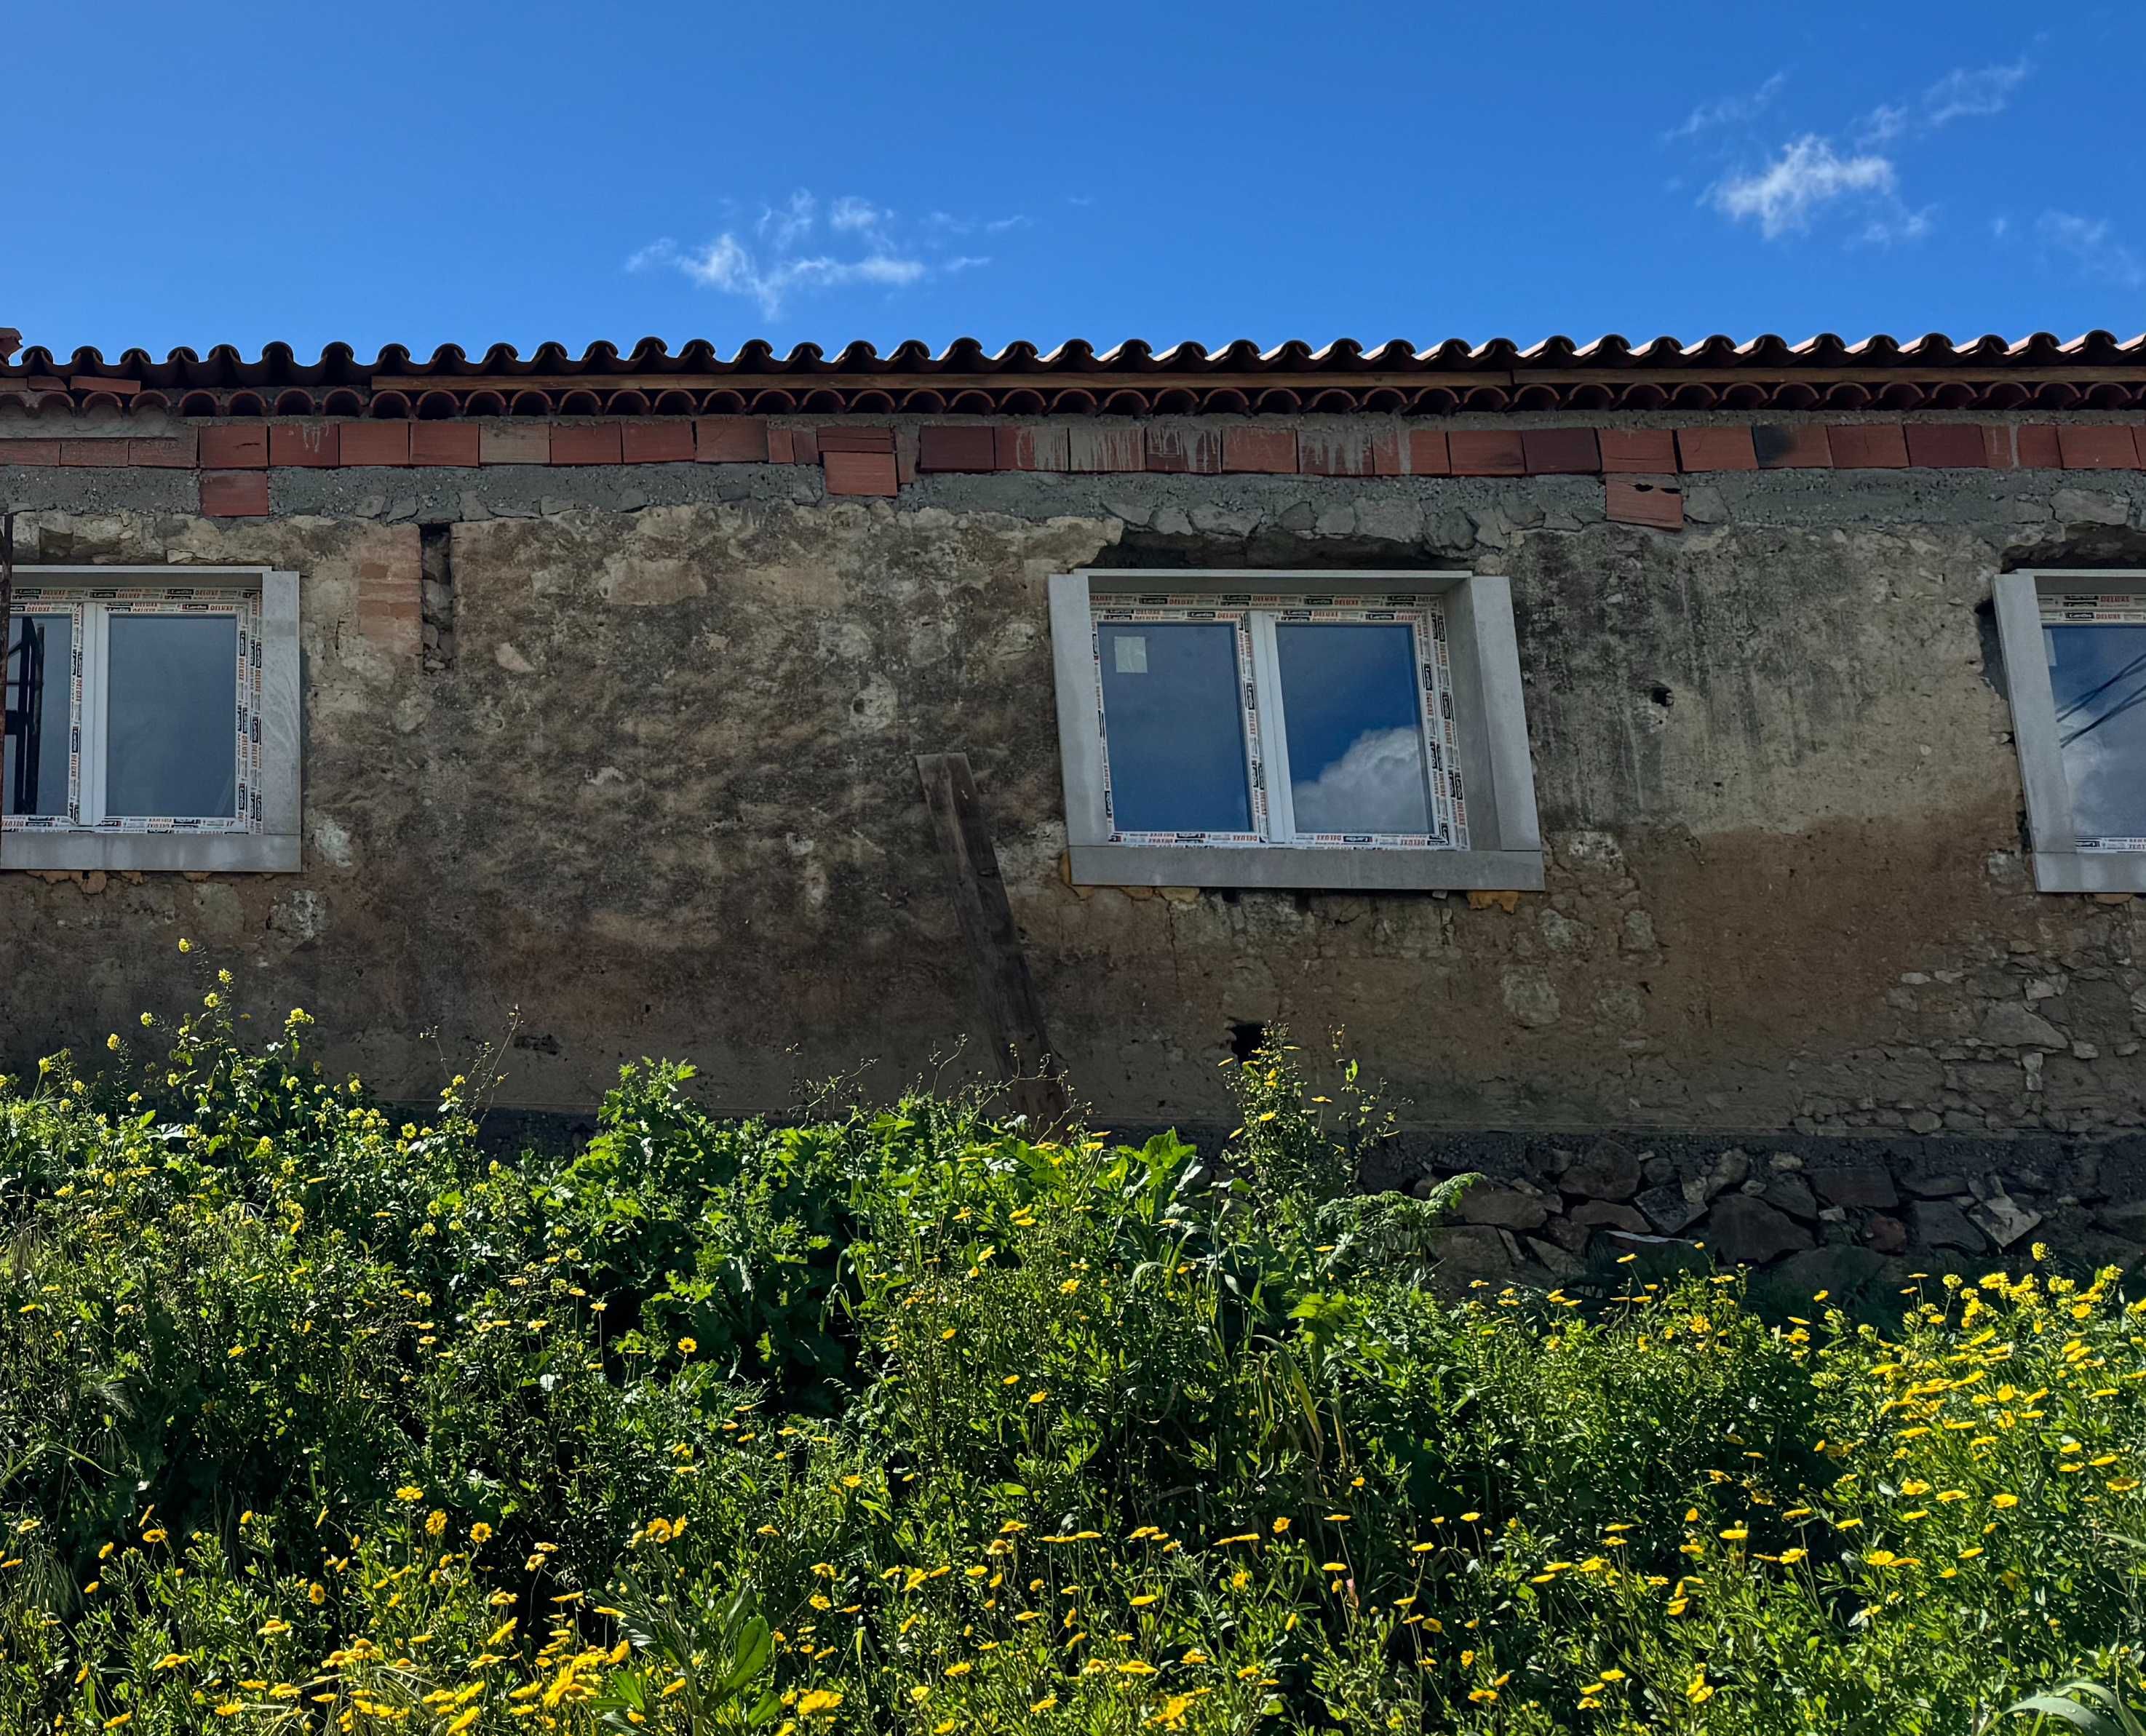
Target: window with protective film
x,y
2075,669
1319,720
137,717
1232,729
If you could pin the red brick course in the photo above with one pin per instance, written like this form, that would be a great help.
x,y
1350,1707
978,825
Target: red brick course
x,y
375,443
872,473
1630,501
234,446
234,493
1869,446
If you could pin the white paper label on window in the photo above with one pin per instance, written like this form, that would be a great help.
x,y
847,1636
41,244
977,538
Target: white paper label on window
x,y
1131,653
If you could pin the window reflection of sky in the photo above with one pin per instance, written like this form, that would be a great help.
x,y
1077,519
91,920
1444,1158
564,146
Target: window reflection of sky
x,y
1173,721
1351,713
2099,673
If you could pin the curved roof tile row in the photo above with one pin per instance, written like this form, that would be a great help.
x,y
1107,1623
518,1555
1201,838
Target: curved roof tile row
x,y
2095,371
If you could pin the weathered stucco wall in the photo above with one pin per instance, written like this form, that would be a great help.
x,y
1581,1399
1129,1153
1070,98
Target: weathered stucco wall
x,y
637,761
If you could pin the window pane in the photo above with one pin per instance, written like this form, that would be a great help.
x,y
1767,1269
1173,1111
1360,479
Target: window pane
x,y
2099,676
171,716
1348,701
1174,723
33,777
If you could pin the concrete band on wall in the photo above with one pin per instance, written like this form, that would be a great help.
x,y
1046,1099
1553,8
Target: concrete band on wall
x,y
628,747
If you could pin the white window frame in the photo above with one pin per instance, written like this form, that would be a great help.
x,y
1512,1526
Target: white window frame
x,y
264,838
2025,602
1484,834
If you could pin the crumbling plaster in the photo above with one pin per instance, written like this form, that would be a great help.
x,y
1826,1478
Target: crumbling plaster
x,y
662,799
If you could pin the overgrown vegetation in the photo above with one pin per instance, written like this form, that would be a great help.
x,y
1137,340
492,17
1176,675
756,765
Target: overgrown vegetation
x,y
315,1417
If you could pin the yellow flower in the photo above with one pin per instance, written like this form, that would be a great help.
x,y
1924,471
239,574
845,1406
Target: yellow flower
x,y
479,1532
2004,1500
436,1521
269,1629
1280,1525
112,1042
817,1700
409,1492
186,945
687,1346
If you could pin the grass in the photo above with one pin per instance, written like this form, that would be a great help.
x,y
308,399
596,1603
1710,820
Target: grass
x,y
315,1417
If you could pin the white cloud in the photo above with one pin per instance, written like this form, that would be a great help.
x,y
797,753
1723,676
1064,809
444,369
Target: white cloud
x,y
1901,225
781,253
1964,93
1728,110
2092,244
1808,175
850,213
1375,786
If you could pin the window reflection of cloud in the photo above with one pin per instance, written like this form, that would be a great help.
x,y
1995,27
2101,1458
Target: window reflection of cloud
x,y
1375,786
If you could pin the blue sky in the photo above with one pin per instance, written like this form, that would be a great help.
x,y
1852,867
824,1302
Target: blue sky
x,y
452,171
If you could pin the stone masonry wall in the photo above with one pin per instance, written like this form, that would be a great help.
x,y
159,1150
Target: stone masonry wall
x,y
608,762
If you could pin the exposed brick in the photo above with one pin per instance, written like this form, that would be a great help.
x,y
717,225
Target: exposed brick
x,y
375,443
1259,450
1801,447
1389,454
1034,446
1999,448
1429,454
781,446
1715,449
29,452
234,493
1486,453
513,443
456,443
390,603
595,443
1639,451
2099,446
173,451
852,439
730,440
309,446
234,446
2035,445
98,382
1630,501
804,446
1345,451
657,442
1560,452
862,473
87,454
1869,446
1102,447
971,446
905,456
1947,446
1185,448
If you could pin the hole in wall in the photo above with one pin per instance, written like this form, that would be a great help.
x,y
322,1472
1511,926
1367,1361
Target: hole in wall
x,y
436,559
1246,1038
1661,695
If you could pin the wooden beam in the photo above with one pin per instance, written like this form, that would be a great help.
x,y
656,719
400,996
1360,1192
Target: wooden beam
x,y
1013,1013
